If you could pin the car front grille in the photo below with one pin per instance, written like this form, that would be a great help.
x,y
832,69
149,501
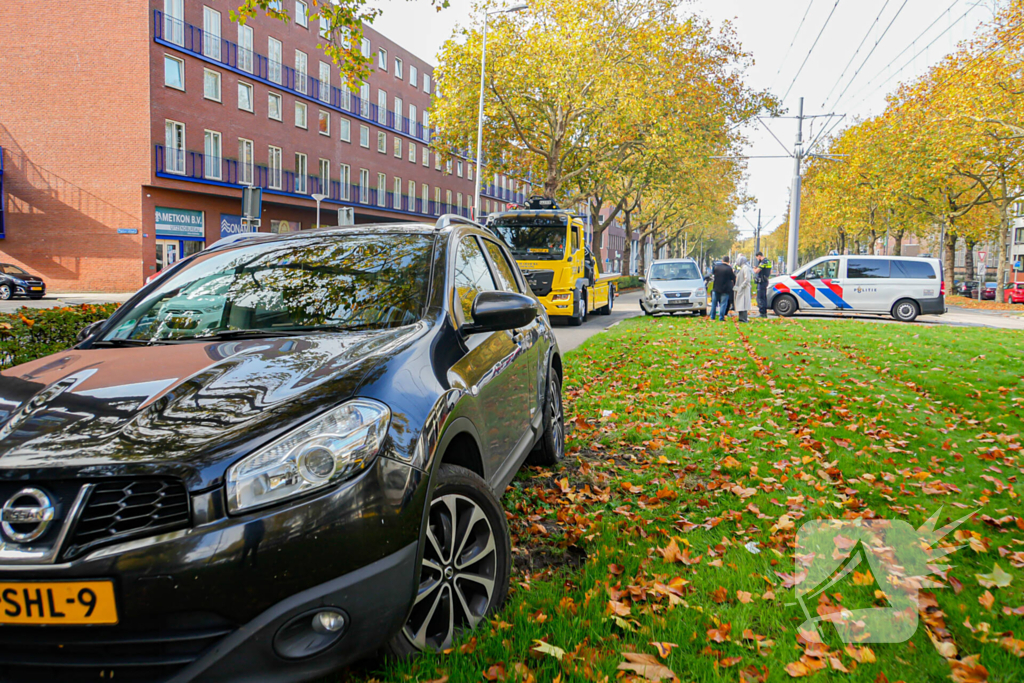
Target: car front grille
x,y
129,508
72,655
678,295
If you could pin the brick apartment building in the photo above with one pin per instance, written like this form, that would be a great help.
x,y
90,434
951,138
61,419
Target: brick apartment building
x,y
128,130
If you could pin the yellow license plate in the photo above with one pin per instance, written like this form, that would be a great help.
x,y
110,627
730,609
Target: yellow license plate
x,y
57,602
37,289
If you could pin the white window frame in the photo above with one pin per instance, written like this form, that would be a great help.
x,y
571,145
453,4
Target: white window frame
x,y
302,13
271,96
413,113
426,198
301,107
242,85
275,61
414,75
364,100
399,68
301,71
412,195
382,142
426,83
174,21
364,137
397,145
382,60
426,157
469,171
206,74
399,106
274,167
364,186
245,166
301,173
382,189
181,70
458,168
345,130
245,38
323,28
345,179
412,153
325,82
174,147
365,47
325,178
382,107
396,191
211,33
324,116
210,160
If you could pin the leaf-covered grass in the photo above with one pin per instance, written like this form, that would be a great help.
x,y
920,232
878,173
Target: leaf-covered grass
x,y
697,444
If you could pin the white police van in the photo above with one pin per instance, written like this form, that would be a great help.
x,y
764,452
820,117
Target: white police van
x,y
902,286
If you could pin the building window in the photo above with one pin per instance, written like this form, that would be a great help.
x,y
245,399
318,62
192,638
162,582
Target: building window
x,y
365,48
425,197
382,142
382,108
211,85
244,96
382,189
398,68
437,161
398,147
300,173
344,177
346,130
382,59
458,168
469,171
412,152
325,177
426,157
437,200
174,72
325,28
448,167
414,75
280,227
412,195
300,115
301,75
399,124
324,123
174,21
396,194
325,82
212,155
274,108
245,48
245,161
174,147
364,137
301,13
211,33
274,60
364,186
274,167
364,100
459,201
412,119
426,83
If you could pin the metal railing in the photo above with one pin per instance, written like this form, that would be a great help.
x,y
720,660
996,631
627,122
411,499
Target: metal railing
x,y
192,39
196,167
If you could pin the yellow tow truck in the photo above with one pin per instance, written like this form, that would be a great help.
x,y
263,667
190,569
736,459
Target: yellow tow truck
x,y
550,247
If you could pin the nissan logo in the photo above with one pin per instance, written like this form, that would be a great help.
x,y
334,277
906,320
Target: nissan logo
x,y
26,515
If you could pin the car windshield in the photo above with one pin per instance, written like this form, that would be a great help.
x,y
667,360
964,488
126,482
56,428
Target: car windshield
x,y
14,270
674,271
533,238
331,282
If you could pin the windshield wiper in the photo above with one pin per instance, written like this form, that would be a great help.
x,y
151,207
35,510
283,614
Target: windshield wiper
x,y
126,342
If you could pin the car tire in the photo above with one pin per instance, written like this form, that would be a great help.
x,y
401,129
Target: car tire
x,y
906,310
6,292
785,305
578,316
551,448
431,626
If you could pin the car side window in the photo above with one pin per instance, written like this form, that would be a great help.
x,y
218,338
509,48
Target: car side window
x,y
503,270
472,276
867,269
826,270
913,270
575,240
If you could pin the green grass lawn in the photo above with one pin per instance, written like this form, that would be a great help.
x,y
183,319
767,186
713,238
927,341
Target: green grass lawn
x,y
696,444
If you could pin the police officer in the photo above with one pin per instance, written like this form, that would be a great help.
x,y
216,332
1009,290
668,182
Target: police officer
x,y
764,273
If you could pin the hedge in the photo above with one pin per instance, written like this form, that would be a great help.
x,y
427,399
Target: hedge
x,y
32,333
627,282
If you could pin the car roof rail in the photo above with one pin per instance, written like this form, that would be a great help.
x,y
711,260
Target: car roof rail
x,y
448,219
231,239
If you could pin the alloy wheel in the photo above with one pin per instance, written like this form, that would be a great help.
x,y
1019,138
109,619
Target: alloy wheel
x,y
457,578
5,292
555,414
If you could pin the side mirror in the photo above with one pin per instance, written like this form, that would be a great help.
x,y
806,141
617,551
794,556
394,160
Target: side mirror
x,y
497,311
88,331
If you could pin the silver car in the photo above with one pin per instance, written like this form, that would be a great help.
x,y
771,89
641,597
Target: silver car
x,y
674,286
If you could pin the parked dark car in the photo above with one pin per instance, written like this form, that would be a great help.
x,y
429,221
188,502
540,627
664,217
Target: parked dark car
x,y
989,293
968,289
15,281
283,454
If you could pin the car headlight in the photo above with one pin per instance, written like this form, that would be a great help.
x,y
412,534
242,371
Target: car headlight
x,y
561,297
317,454
655,292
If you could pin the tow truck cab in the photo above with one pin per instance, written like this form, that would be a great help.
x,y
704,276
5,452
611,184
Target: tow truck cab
x,y
550,247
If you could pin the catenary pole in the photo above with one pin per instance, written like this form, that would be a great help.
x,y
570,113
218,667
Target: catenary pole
x,y
794,204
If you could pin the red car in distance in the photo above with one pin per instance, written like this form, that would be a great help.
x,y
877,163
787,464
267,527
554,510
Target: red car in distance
x,y
1014,293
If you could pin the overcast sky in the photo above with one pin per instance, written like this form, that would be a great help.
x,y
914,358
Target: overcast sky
x,y
767,29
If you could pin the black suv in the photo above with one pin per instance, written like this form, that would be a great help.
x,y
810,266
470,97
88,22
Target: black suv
x,y
282,455
15,281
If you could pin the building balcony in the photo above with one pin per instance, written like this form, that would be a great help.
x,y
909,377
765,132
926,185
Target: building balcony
x,y
197,167
178,35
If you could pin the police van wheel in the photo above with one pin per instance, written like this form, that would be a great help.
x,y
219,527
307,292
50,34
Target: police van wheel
x,y
784,305
906,310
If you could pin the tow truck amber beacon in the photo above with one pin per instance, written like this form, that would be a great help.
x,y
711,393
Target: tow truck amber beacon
x,y
549,246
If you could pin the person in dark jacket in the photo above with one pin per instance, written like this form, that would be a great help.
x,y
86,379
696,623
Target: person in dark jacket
x,y
763,273
724,281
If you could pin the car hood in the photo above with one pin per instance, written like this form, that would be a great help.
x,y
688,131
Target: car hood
x,y
189,408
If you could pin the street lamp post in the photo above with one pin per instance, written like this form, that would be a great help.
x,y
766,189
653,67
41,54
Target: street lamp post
x,y
480,115
319,198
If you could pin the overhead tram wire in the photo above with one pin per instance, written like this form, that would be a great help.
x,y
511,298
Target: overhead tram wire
x,y
792,43
874,47
864,40
1016,31
809,52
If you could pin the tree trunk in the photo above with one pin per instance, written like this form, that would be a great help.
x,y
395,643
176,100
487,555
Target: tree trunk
x,y
627,248
969,261
897,246
552,179
949,259
1004,227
